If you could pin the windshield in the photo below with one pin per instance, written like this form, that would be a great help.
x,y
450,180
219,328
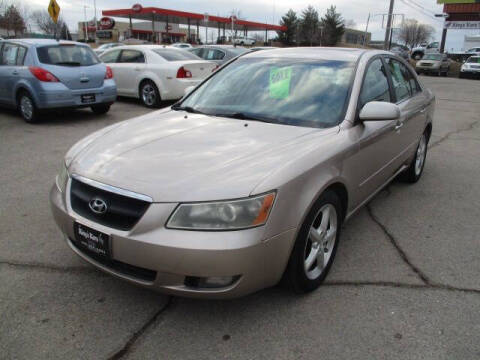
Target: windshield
x,y
432,57
175,55
310,93
474,60
67,55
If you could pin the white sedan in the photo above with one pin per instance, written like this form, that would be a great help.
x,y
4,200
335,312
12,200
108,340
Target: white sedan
x,y
154,73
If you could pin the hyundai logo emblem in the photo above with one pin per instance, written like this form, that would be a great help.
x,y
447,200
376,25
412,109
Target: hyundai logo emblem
x,y
98,206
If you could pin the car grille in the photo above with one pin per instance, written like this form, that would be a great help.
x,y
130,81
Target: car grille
x,y
122,212
475,66
118,266
427,64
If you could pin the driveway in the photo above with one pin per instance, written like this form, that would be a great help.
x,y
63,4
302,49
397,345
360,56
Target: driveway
x,y
405,284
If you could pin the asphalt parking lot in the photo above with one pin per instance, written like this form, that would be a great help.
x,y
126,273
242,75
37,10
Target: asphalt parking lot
x,y
405,283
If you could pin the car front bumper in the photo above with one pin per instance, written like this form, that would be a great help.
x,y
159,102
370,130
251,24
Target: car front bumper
x,y
177,256
57,95
427,69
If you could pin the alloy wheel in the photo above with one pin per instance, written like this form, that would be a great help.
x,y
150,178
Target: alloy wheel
x,y
26,107
321,242
420,156
149,96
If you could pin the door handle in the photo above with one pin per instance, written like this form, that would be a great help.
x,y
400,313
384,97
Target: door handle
x,y
398,126
137,69
14,72
423,111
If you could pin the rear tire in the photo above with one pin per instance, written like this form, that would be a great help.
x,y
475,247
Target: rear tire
x,y
27,108
149,94
415,170
100,109
316,242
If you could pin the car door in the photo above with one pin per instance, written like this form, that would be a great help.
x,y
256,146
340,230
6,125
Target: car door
x,y
9,72
378,142
412,103
130,66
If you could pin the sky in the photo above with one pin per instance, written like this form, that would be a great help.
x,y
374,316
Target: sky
x,y
271,11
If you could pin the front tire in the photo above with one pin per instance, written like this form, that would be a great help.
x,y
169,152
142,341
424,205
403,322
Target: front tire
x,y
415,170
27,108
100,109
149,94
316,245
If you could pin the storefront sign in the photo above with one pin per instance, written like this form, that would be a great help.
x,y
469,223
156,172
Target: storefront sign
x,y
461,25
107,23
137,7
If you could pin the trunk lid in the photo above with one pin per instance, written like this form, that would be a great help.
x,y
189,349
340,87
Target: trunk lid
x,y
199,69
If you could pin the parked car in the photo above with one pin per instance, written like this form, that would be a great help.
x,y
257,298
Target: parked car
x,y
250,176
473,51
419,52
434,64
243,40
154,73
182,45
40,74
220,54
102,48
258,48
471,68
401,51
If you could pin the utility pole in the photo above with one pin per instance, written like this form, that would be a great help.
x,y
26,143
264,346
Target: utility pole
x,y
389,25
366,31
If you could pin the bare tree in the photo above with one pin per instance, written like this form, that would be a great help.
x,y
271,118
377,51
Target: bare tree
x,y
412,33
44,22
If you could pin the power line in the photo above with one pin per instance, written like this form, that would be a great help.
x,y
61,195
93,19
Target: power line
x,y
422,7
412,6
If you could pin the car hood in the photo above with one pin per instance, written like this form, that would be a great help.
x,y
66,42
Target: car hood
x,y
173,156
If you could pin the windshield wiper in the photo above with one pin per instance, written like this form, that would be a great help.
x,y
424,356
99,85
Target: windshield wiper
x,y
186,108
243,116
68,63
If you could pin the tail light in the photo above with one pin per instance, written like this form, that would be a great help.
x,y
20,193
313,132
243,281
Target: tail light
x,y
109,73
182,73
42,74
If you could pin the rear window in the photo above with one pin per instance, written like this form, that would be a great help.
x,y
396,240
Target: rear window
x,y
238,50
67,55
175,55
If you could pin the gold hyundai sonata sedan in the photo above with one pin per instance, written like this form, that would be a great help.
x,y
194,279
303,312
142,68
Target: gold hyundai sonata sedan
x,y
247,179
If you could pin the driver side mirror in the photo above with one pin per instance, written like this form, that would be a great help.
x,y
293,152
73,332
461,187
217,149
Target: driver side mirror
x,y
379,111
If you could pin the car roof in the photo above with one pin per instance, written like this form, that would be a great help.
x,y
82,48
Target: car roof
x,y
43,42
145,47
322,53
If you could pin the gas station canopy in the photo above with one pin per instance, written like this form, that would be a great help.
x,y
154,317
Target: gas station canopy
x,y
188,18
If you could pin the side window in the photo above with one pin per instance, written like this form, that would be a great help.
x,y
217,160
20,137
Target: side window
x,y
197,52
110,57
401,85
219,55
375,86
21,55
132,56
9,54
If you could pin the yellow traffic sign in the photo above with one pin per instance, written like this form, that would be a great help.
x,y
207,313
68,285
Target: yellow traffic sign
x,y
54,10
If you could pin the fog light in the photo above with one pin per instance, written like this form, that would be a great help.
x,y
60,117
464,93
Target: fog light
x,y
212,282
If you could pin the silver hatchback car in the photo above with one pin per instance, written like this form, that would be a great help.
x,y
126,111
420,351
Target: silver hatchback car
x,y
38,74
250,176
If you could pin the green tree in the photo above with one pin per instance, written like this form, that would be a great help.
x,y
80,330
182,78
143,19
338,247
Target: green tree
x,y
309,23
332,27
290,21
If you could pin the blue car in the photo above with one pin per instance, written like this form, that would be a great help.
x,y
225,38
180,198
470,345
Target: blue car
x,y
41,74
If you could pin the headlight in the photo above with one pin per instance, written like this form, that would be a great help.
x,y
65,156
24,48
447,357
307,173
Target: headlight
x,y
62,178
223,215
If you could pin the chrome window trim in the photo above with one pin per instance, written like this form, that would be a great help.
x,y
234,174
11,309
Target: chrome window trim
x,y
112,189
